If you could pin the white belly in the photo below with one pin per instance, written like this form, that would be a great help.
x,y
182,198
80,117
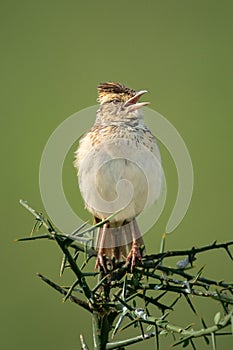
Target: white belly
x,y
119,175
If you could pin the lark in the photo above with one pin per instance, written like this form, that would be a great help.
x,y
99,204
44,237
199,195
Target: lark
x,y
119,172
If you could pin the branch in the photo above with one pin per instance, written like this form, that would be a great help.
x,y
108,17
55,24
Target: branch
x,y
39,217
148,277
192,277
193,251
165,325
130,341
61,290
82,281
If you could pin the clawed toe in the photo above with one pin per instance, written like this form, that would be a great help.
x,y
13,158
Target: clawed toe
x,y
101,262
134,255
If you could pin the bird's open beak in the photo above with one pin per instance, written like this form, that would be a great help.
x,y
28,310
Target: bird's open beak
x,y
133,103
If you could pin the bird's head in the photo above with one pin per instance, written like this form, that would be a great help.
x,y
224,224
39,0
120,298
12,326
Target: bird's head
x,y
114,92
119,102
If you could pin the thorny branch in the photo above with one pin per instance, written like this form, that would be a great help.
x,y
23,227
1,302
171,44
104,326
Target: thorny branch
x,y
114,298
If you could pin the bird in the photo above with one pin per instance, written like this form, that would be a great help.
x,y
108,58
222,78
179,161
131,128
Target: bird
x,y
119,172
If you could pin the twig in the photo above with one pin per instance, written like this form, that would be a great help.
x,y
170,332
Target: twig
x,y
61,290
149,275
37,215
82,281
130,341
191,252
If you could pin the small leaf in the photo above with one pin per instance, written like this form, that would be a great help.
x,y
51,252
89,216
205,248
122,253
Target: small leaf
x,y
188,326
217,318
161,322
149,327
163,332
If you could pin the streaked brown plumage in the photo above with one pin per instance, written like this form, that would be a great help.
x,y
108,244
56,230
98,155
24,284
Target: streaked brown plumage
x,y
112,159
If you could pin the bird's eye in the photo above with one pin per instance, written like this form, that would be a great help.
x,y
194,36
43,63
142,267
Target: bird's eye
x,y
115,101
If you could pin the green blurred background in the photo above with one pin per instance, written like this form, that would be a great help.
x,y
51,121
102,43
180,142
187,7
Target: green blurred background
x,y
53,54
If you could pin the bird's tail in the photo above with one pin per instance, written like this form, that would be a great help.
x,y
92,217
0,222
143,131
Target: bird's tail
x,y
116,241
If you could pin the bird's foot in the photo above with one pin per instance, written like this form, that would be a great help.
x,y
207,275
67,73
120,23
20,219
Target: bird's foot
x,y
103,262
134,255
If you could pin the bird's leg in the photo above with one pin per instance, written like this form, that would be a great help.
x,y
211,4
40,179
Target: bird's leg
x,y
134,253
100,260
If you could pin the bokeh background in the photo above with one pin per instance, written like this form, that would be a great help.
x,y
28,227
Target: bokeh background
x,y
53,54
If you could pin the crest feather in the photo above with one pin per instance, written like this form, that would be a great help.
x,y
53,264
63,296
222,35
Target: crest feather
x,y
116,88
